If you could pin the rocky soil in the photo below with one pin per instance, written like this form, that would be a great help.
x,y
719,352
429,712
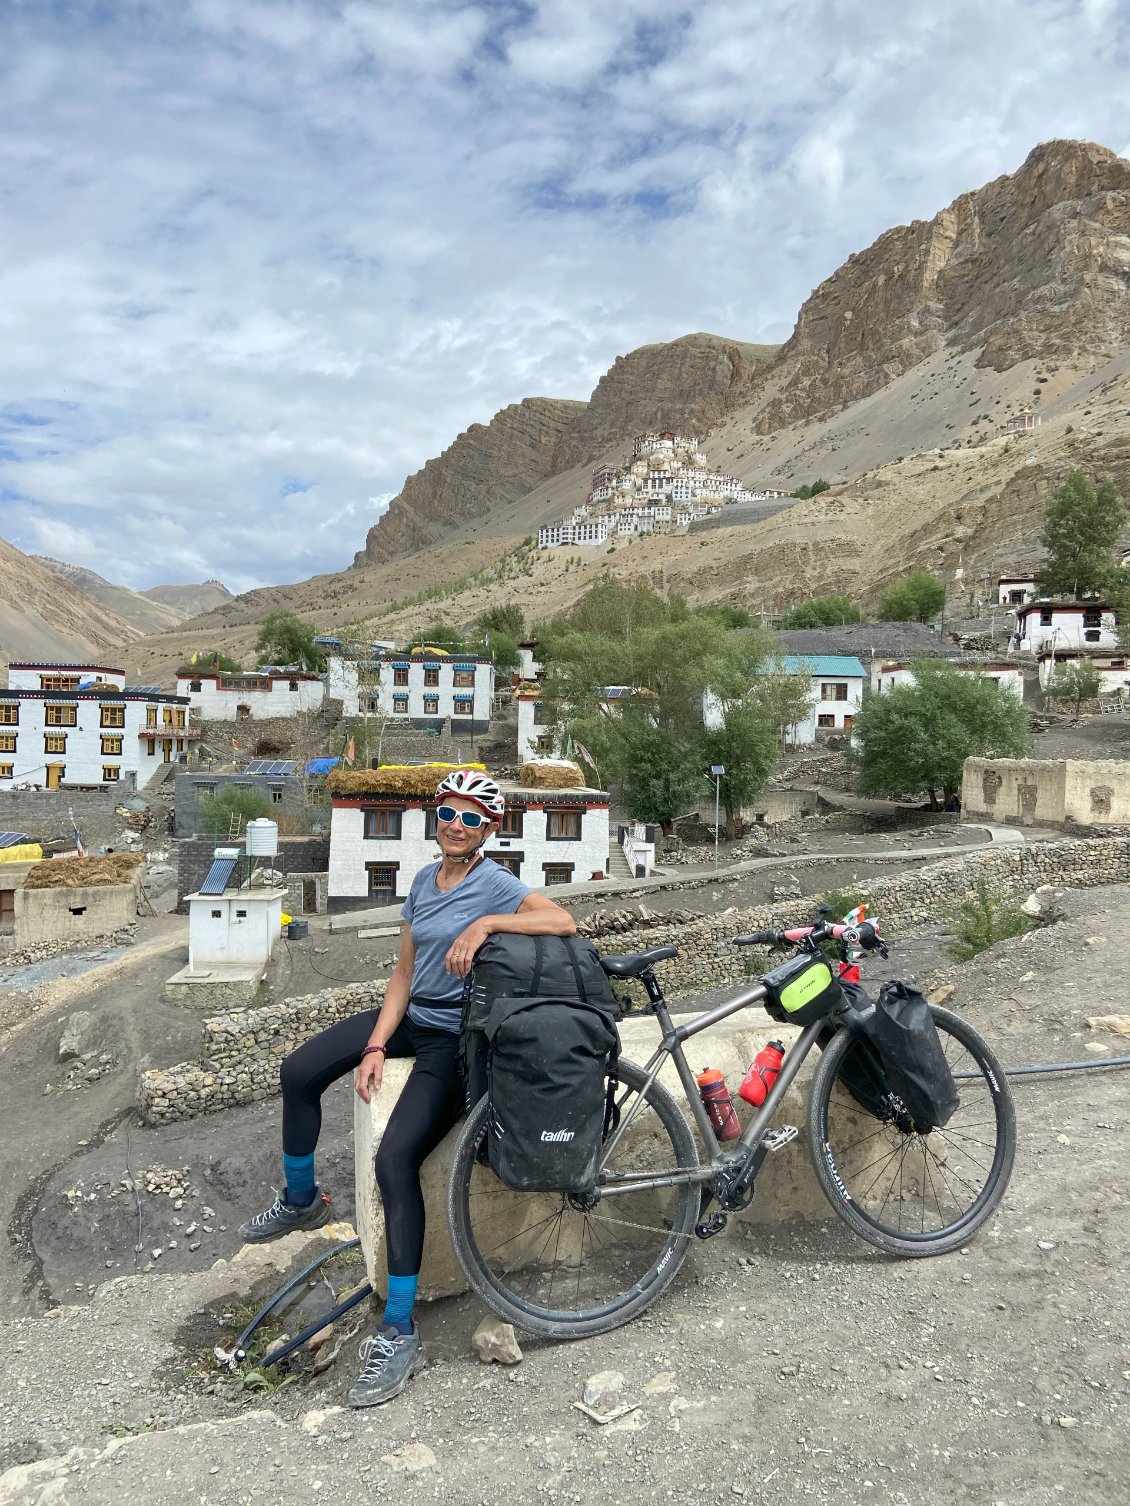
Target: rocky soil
x,y
788,1363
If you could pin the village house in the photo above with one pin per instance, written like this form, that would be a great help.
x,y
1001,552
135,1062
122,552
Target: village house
x,y
217,696
1015,590
1021,422
78,725
1064,624
887,673
836,682
379,842
1110,665
535,739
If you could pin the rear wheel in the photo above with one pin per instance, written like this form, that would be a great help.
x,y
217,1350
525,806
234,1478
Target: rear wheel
x,y
551,1266
907,1193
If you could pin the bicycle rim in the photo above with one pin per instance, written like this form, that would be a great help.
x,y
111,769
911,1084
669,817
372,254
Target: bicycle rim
x,y
550,1267
907,1193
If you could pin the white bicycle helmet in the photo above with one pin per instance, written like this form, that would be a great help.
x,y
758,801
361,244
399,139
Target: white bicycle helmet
x,y
480,789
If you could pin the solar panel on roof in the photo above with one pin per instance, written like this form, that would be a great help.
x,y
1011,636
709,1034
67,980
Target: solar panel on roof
x,y
271,766
216,879
12,838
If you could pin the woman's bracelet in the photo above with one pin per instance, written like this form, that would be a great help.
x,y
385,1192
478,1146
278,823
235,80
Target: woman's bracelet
x,y
369,1049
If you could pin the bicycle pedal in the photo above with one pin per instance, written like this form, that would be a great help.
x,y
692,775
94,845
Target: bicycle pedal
x,y
777,1139
709,1227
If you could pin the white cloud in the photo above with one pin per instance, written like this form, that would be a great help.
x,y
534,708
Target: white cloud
x,y
262,258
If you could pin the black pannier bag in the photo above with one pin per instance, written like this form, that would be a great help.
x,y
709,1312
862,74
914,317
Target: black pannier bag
x,y
898,1068
551,1079
513,967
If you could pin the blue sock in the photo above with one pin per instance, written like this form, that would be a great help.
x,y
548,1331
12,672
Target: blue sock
x,y
300,1183
400,1302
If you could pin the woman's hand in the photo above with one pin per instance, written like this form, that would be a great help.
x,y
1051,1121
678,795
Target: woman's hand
x,y
370,1073
461,952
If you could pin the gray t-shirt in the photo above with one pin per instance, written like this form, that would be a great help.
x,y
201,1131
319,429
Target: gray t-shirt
x,y
437,917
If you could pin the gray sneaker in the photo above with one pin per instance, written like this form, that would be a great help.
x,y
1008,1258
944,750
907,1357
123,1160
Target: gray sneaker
x,y
391,1359
281,1218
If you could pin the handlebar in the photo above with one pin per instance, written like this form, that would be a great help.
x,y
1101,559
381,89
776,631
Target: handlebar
x,y
864,935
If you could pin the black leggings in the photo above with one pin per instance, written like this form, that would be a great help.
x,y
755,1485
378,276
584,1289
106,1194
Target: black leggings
x,y
429,1104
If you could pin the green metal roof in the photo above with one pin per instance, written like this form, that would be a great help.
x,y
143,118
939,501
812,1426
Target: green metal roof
x,y
844,665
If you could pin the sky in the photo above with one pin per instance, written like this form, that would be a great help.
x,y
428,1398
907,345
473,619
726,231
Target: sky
x,y
260,259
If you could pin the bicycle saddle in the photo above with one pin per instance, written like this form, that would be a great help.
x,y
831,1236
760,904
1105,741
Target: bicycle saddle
x,y
632,964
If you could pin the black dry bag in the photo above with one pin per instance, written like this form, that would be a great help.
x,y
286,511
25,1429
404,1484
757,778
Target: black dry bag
x,y
914,1061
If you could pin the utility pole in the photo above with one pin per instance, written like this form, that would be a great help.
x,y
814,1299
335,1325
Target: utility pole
x,y
717,770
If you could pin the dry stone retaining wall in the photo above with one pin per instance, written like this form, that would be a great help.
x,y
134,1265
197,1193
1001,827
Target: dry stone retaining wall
x,y
243,1048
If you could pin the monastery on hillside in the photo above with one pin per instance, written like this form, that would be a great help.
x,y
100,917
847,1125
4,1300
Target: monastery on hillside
x,y
666,485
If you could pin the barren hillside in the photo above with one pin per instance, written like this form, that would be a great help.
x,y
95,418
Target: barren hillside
x,y
46,617
131,606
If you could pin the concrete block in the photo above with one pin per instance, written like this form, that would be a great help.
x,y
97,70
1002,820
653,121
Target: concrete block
x,y
786,1185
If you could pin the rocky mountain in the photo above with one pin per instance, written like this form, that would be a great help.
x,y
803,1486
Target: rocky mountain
x,y
690,384
144,615
192,600
45,616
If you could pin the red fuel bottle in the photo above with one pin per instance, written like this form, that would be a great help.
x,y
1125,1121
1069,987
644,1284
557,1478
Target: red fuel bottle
x,y
719,1104
762,1074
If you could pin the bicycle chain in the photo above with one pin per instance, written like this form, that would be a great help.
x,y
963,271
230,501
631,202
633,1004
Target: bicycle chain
x,y
627,1223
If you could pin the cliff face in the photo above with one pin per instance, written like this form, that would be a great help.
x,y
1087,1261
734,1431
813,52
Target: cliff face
x,y
1034,265
489,464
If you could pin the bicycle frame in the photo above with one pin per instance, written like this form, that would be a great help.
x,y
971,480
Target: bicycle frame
x,y
671,1046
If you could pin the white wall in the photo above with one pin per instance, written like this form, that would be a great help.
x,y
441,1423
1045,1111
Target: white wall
x,y
30,676
238,928
287,696
1066,628
1009,677
83,760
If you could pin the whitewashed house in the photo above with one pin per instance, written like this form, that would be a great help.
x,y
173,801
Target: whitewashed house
x,y
428,688
836,682
354,681
216,696
887,673
75,725
1065,624
1015,590
1110,665
378,843
535,739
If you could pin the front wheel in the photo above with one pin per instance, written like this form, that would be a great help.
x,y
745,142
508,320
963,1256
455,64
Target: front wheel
x,y
568,1267
907,1193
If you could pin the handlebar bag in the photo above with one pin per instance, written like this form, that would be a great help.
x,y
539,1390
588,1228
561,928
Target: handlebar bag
x,y
551,1084
802,990
510,967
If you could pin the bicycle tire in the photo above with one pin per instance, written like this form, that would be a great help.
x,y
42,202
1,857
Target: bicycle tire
x,y
525,1254
940,1187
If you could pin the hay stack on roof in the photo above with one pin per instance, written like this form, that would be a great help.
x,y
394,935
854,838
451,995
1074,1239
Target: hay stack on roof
x,y
415,781
83,873
552,774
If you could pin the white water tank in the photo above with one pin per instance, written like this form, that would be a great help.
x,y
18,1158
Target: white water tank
x,y
262,840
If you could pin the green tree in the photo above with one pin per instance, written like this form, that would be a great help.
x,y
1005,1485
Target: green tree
x,y
821,611
287,639
506,618
1082,525
618,610
209,658
229,812
658,770
747,748
783,699
915,598
814,489
917,737
1073,683
440,635
727,614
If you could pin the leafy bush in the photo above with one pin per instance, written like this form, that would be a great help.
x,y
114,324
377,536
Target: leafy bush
x,y
242,804
984,920
840,901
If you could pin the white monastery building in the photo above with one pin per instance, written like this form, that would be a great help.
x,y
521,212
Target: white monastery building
x,y
216,696
378,843
78,725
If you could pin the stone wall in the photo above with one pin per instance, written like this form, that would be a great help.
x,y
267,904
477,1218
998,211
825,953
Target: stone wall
x,y
291,801
242,1049
295,855
241,1052
1047,790
43,814
75,914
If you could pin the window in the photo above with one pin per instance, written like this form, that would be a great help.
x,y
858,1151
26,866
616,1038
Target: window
x,y
400,675
826,719
5,771
512,822
8,739
58,715
292,684
180,744
835,691
110,773
464,706
512,862
463,679
400,705
539,714
54,742
276,796
58,682
111,747
1092,635
384,822
243,713
430,824
563,826
431,705
431,675
203,791
193,685
167,716
150,716
10,715
178,717
382,881
112,716
1045,616
557,873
